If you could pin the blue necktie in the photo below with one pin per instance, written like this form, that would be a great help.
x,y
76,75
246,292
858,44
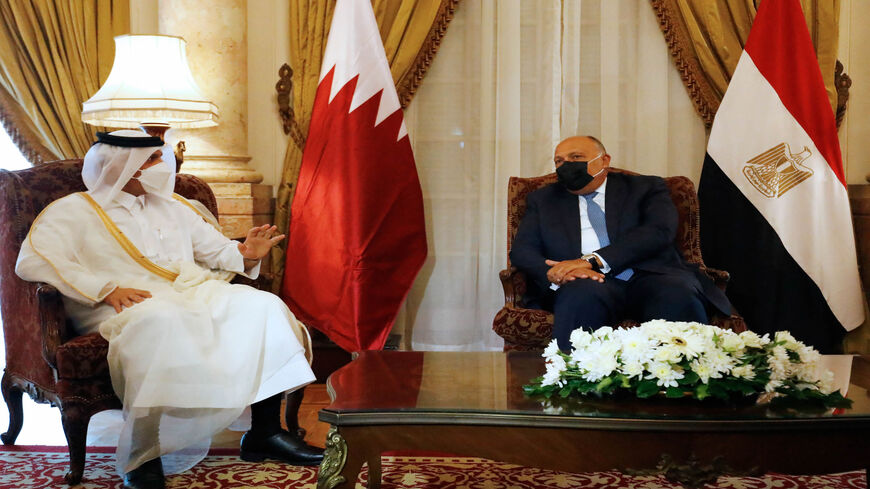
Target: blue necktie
x,y
599,225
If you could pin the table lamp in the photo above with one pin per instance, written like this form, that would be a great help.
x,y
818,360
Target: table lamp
x,y
150,86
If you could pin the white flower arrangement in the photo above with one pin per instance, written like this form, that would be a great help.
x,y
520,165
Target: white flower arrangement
x,y
681,359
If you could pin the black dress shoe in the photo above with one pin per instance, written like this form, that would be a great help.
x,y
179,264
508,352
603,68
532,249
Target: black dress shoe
x,y
147,476
281,446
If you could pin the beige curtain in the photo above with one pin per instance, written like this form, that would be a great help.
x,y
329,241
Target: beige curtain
x,y
54,55
411,31
706,38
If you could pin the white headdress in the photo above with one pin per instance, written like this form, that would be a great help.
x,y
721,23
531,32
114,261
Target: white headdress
x,y
114,159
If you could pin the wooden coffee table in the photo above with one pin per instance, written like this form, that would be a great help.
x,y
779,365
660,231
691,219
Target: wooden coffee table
x,y
472,404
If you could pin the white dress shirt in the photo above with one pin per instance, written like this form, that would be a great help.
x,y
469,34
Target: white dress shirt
x,y
589,243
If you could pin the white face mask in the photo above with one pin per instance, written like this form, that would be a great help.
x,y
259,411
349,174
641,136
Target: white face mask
x,y
154,178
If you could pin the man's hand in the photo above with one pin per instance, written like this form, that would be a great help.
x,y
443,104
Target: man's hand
x,y
121,298
568,270
259,241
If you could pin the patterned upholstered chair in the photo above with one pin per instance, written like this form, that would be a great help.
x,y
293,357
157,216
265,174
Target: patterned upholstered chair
x,y
530,329
44,357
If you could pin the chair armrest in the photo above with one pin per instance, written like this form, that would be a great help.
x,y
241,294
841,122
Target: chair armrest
x,y
52,320
507,278
719,277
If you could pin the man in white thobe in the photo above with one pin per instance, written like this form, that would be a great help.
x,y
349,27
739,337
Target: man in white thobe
x,y
188,351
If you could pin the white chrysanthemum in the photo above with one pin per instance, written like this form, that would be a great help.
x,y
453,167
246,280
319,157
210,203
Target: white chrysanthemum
x,y
556,366
743,372
609,347
719,360
732,342
552,377
602,332
552,350
636,344
657,329
632,369
580,339
778,362
598,366
752,340
702,369
667,354
665,374
809,354
788,340
695,344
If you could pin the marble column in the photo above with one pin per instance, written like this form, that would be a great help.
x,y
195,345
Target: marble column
x,y
216,35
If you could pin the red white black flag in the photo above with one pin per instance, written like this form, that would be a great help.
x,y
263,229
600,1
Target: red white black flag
x,y
357,235
774,207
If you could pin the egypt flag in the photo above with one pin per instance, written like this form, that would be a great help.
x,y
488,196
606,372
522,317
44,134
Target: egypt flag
x,y
774,208
357,236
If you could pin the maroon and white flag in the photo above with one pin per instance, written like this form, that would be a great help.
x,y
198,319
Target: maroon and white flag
x,y
774,207
357,235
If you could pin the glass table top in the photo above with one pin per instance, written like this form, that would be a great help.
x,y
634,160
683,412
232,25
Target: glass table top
x,y
430,386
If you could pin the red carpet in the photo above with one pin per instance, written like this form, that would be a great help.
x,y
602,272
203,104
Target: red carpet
x,y
43,467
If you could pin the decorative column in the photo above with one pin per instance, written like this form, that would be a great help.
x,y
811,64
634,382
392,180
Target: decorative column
x,y
216,35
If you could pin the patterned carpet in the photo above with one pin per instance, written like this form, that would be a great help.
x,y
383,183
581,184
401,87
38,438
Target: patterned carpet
x,y
43,467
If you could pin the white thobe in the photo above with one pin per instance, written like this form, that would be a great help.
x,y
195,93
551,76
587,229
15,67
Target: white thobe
x,y
186,361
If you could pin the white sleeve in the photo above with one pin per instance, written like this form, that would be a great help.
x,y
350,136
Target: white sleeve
x,y
48,254
605,268
213,249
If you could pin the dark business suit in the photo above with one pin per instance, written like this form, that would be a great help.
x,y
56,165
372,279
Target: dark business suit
x,y
641,223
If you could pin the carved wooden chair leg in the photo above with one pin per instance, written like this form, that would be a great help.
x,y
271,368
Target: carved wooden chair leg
x,y
291,412
12,396
75,421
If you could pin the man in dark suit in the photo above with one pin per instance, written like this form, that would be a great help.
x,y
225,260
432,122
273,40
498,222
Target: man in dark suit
x,y
598,248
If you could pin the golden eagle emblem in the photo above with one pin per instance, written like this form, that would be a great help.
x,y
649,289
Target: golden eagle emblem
x,y
777,170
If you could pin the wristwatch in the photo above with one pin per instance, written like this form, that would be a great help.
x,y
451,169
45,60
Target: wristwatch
x,y
593,260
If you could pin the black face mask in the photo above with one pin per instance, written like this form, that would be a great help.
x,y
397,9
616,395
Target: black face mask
x,y
573,175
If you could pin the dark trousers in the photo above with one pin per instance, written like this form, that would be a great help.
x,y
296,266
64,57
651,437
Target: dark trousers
x,y
589,305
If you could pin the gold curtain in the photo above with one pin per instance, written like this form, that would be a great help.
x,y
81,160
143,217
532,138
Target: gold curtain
x,y
54,55
706,38
411,31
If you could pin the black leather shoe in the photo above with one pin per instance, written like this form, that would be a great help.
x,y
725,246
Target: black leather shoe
x,y
281,446
147,476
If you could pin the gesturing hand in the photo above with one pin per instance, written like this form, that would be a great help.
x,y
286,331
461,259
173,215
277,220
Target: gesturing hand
x,y
259,241
121,298
568,270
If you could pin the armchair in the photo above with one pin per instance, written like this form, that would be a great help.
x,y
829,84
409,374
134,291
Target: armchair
x,y
44,357
531,329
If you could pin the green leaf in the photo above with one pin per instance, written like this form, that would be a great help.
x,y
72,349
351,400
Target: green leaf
x,y
702,391
647,388
689,378
674,392
623,381
603,384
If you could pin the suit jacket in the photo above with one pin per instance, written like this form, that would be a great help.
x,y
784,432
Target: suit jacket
x,y
641,225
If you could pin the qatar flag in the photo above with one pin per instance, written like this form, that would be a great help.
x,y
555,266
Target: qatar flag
x,y
357,235
774,207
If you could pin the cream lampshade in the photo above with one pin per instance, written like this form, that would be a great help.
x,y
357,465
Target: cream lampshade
x,y
151,86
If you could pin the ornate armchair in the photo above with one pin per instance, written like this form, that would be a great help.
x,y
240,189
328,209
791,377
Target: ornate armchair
x,y
530,329
44,357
